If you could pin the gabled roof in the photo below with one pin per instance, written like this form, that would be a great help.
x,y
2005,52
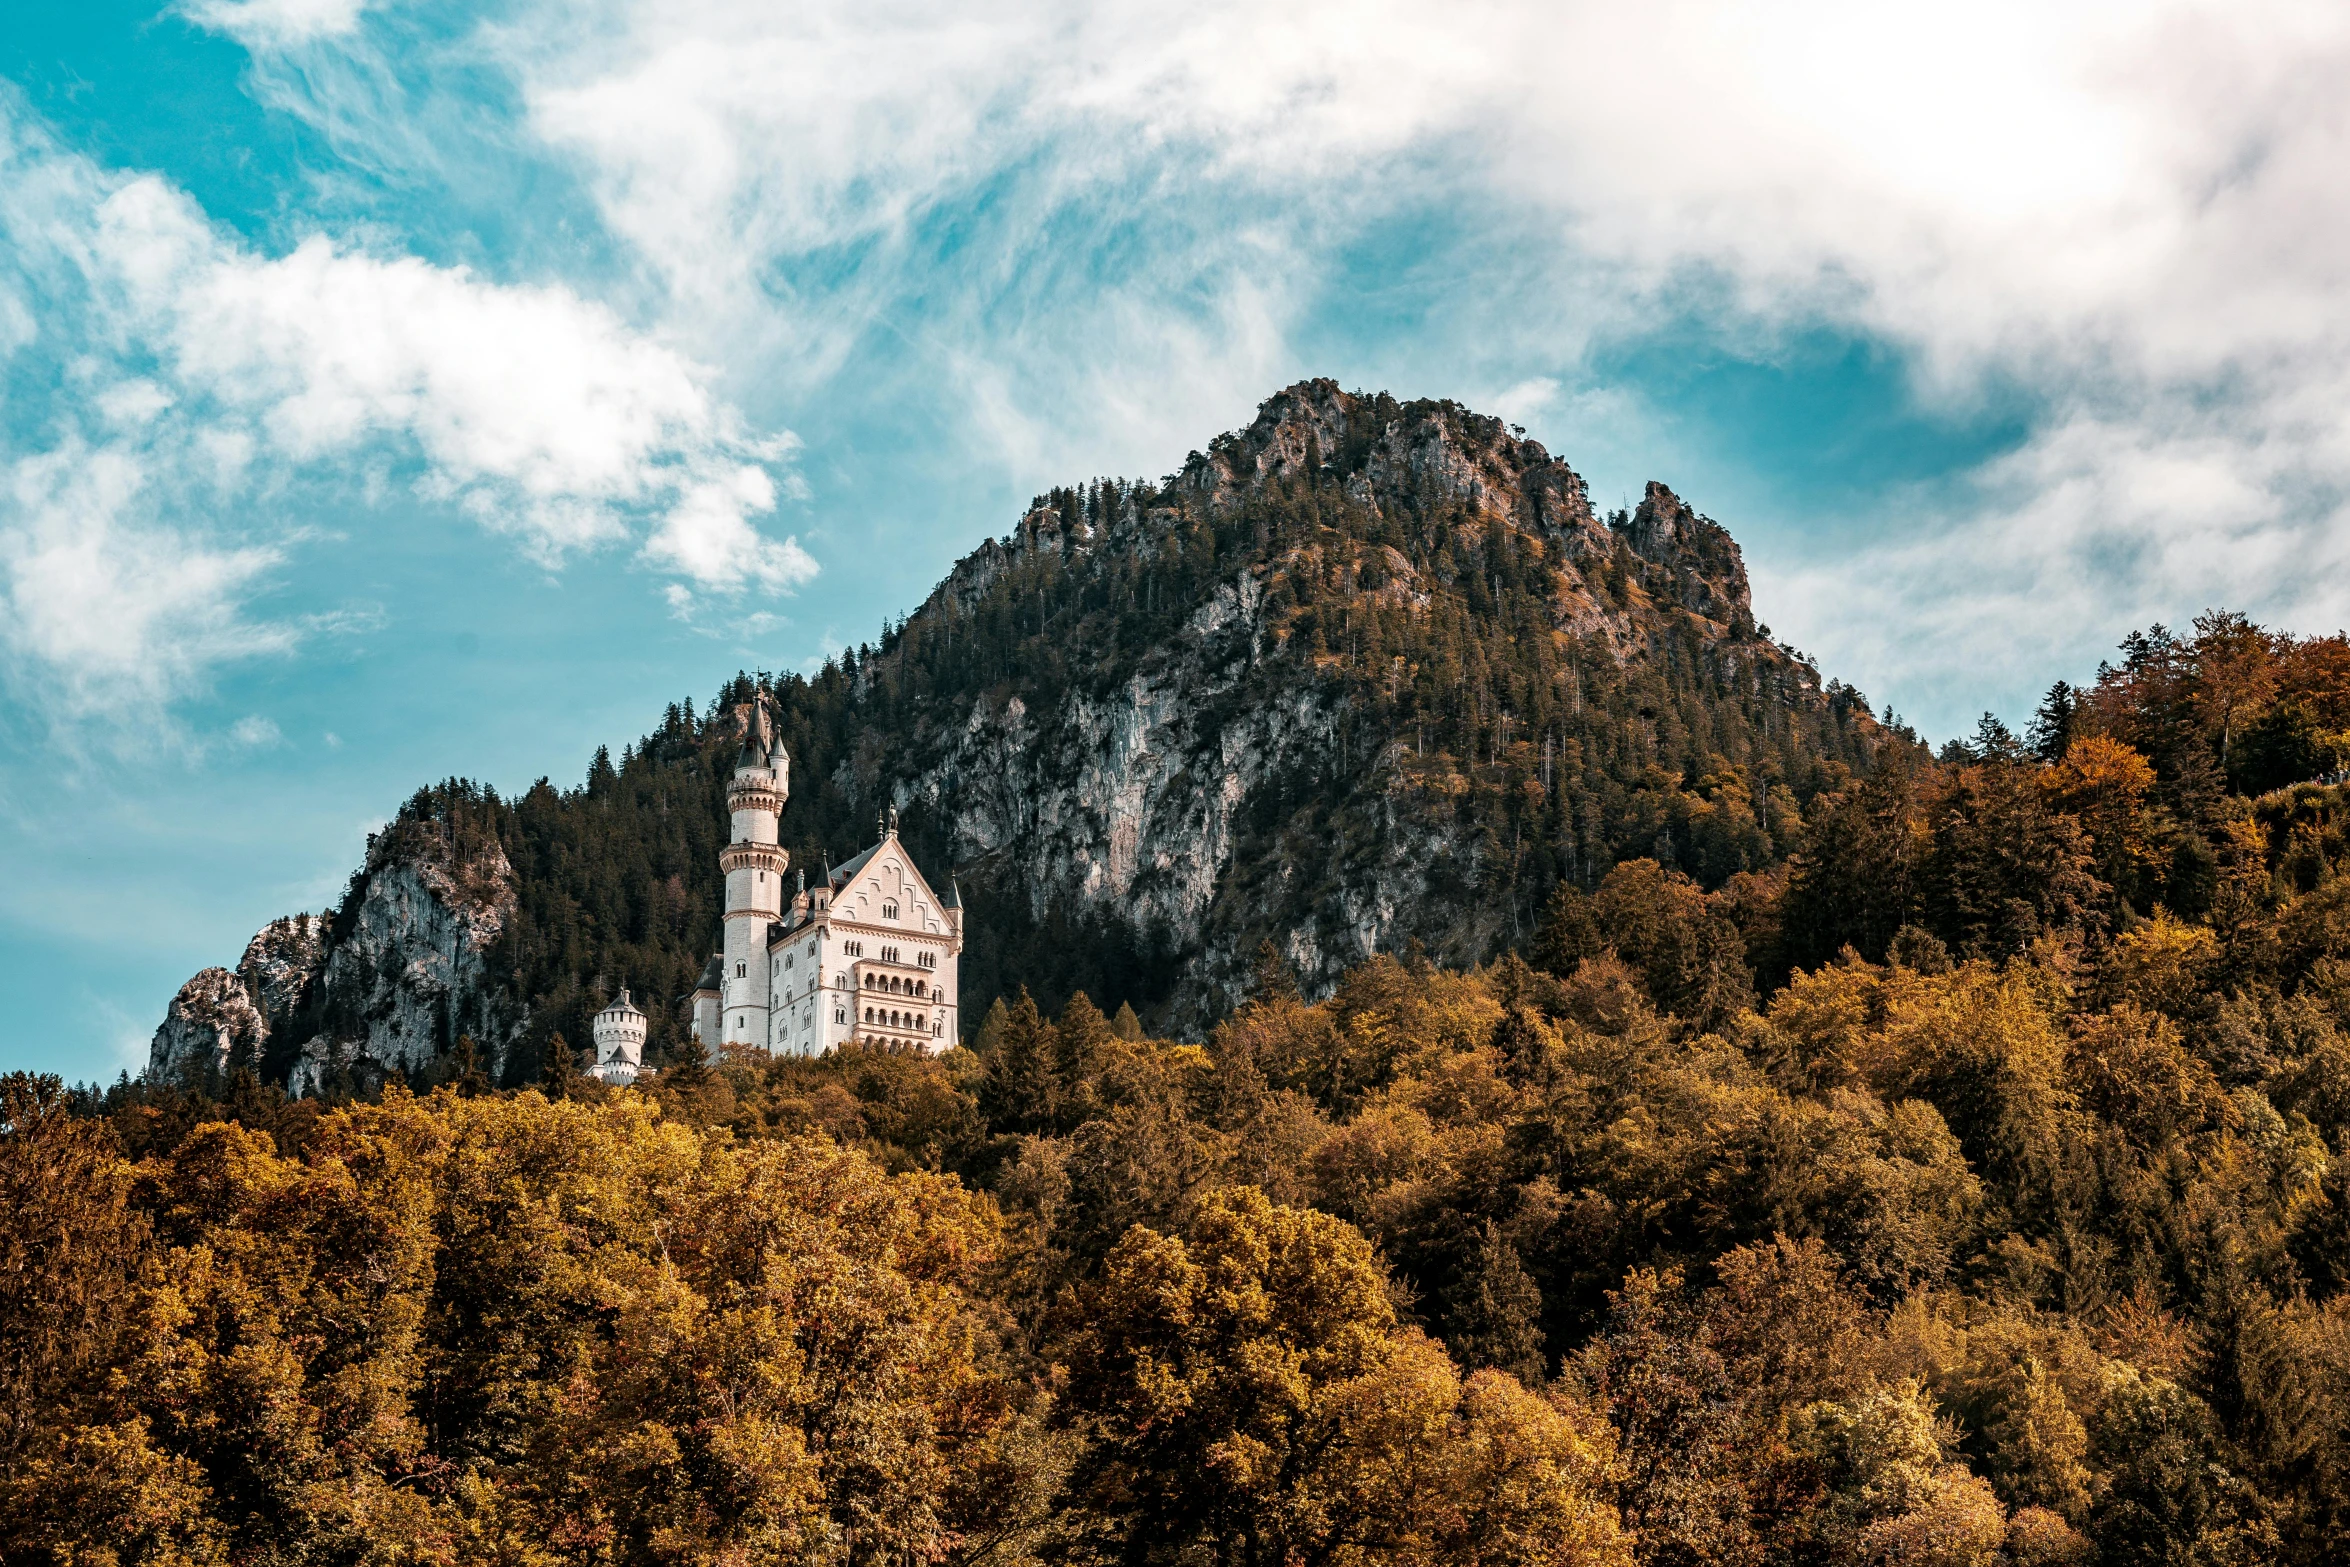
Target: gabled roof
x,y
842,875
713,972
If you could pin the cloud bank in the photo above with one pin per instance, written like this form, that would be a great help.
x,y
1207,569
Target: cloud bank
x,y
197,390
1103,221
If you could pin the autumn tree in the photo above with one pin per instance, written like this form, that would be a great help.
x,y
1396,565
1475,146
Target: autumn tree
x,y
1247,1393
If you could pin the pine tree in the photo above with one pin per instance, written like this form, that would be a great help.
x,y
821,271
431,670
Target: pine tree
x,y
689,1069
558,1067
1496,1317
2053,725
1019,1089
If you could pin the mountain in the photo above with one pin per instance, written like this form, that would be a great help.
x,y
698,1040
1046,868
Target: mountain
x,y
1363,675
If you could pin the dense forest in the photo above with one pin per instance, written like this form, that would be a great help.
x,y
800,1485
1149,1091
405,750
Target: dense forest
x,y
1971,1186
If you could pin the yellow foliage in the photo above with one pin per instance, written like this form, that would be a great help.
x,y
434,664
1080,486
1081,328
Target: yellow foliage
x,y
1250,1383
2160,963
530,1326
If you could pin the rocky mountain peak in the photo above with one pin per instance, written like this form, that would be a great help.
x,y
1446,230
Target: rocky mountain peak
x,y
1387,453
1696,564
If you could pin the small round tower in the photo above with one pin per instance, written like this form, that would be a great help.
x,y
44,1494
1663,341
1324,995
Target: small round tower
x,y
620,1041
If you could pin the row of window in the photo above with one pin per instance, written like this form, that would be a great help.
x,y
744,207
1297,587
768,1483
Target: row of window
x,y
896,984
882,1017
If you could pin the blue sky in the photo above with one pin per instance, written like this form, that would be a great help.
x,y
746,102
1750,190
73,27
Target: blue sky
x,y
392,389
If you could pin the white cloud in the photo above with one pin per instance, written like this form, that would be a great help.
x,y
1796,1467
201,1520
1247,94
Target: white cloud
x,y
114,610
255,730
198,379
1105,223
277,24
1523,401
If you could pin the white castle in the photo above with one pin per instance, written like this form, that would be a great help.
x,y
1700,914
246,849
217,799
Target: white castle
x,y
867,957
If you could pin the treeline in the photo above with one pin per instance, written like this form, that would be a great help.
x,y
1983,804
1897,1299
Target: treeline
x,y
2196,779
1971,1263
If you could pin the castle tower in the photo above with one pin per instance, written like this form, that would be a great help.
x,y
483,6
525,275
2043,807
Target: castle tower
x,y
620,1041
754,862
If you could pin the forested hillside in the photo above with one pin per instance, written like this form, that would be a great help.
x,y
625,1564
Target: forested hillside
x,y
1364,674
1971,1188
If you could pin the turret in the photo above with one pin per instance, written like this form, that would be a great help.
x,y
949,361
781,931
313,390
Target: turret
x,y
620,1041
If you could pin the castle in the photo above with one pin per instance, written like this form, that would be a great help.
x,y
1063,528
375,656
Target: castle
x,y
866,957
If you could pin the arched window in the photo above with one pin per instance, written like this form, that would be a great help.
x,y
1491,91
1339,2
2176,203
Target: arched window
x,y
921,989
889,911
742,971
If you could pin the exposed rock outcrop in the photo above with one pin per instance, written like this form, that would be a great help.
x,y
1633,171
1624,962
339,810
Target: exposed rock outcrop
x,y
406,975
212,1023
220,1017
282,962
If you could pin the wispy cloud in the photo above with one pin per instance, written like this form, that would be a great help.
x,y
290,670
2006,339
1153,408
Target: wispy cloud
x,y
275,24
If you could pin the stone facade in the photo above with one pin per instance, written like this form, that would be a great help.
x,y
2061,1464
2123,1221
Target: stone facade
x,y
866,957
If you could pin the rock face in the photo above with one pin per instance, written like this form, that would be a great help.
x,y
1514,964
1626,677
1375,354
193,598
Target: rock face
x,y
390,984
281,963
221,1017
212,1023
407,976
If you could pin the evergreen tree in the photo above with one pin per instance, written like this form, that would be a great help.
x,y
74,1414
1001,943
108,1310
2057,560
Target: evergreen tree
x,y
2053,725
1496,1317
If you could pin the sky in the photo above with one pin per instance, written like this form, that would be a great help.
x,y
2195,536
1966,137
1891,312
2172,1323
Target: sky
x,y
401,389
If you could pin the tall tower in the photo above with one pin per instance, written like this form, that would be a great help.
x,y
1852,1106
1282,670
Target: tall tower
x,y
754,862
